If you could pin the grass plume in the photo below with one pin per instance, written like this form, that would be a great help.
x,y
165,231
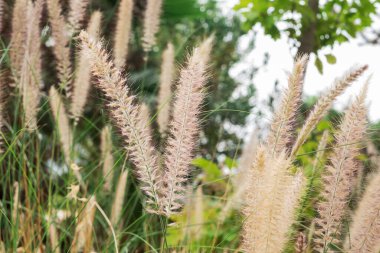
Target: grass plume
x,y
165,90
61,37
107,157
19,30
364,233
125,112
30,80
151,23
123,31
118,202
77,14
62,121
82,83
324,104
339,176
282,126
184,129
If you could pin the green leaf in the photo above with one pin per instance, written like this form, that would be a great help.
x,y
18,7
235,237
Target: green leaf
x,y
210,168
230,163
318,63
330,58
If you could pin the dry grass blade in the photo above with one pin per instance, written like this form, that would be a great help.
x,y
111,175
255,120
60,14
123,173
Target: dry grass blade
x,y
339,177
324,104
123,30
132,125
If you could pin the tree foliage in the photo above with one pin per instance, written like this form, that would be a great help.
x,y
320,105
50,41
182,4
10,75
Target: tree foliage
x,y
311,25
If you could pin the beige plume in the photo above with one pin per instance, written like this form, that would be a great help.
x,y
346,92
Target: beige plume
x,y
82,83
126,114
339,176
118,201
62,122
184,130
61,38
364,233
165,89
151,23
19,30
30,79
77,14
284,119
324,104
82,241
272,198
107,157
123,31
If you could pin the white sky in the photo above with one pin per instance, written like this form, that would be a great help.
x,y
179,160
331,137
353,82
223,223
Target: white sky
x,y
281,61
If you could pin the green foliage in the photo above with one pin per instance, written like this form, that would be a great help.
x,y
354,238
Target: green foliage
x,y
333,22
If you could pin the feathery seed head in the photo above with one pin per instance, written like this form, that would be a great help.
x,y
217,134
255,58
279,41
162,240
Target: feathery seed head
x,y
283,124
82,83
165,91
364,233
324,104
123,30
62,121
151,23
184,130
126,114
339,177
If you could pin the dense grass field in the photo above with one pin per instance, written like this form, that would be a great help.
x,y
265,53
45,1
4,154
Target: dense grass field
x,y
105,143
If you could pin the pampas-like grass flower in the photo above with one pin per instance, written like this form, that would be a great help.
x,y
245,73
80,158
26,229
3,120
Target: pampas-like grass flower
x,y
151,23
165,91
82,241
339,176
82,83
364,233
118,201
61,48
123,31
132,125
19,30
272,197
62,121
324,104
107,157
30,78
77,14
184,130
282,126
